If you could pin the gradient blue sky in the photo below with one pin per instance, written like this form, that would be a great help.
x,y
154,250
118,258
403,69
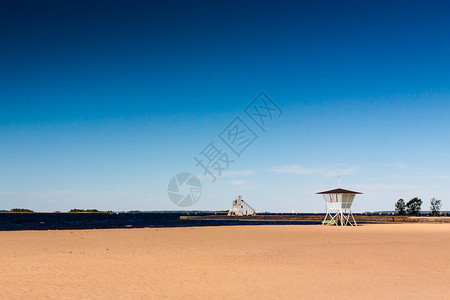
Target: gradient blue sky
x,y
102,103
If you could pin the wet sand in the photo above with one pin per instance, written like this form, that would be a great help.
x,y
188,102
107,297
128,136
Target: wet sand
x,y
390,261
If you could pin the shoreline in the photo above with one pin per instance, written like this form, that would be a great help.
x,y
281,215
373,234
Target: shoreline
x,y
378,219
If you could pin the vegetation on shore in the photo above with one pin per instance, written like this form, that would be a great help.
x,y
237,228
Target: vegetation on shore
x,y
93,210
21,210
413,207
435,206
74,210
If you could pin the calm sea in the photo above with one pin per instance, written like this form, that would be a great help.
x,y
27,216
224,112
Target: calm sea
x,y
46,221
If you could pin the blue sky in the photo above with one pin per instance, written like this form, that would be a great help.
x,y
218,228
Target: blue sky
x,y
101,104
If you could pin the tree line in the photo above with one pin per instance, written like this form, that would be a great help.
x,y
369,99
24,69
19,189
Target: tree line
x,y
73,210
413,206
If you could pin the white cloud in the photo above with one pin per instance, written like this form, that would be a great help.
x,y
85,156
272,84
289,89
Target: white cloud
x,y
392,166
387,187
64,193
330,171
237,182
431,176
238,173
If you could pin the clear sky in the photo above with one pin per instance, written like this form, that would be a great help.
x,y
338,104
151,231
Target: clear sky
x,y
102,103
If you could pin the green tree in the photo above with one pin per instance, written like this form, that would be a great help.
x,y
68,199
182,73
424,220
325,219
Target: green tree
x,y
435,206
400,207
77,210
21,210
413,206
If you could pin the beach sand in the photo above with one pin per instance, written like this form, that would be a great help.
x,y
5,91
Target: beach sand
x,y
392,261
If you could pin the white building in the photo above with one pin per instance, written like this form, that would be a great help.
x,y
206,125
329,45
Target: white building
x,y
241,208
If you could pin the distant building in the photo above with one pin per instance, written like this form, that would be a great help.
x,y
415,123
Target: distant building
x,y
241,208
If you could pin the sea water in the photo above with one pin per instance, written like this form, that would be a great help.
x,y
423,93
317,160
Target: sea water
x,y
53,221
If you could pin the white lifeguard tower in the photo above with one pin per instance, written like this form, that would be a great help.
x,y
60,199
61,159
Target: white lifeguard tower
x,y
241,208
338,203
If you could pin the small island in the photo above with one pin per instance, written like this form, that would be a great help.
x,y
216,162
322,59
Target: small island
x,y
93,210
21,210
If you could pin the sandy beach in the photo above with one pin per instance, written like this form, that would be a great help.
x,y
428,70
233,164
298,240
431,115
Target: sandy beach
x,y
393,261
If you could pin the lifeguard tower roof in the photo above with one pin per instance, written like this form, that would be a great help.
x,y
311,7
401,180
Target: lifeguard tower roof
x,y
338,191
